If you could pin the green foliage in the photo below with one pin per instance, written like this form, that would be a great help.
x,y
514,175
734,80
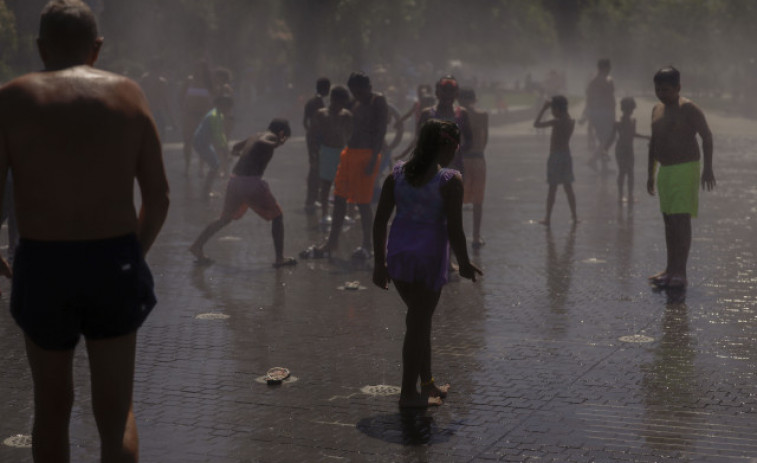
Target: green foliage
x,y
280,41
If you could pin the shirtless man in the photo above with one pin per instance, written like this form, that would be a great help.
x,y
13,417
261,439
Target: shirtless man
x,y
676,121
358,166
247,189
76,138
329,132
313,105
600,111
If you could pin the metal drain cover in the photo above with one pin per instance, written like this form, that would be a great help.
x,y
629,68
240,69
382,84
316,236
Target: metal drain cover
x,y
637,338
19,441
381,389
212,316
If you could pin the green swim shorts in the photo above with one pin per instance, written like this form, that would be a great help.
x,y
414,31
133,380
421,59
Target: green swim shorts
x,y
678,187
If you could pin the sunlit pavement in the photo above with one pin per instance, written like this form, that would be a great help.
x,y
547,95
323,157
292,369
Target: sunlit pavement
x,y
561,352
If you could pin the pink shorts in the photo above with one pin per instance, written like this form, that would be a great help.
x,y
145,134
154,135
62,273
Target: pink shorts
x,y
474,180
253,192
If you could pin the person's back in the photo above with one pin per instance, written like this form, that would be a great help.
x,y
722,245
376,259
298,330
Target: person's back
x,y
422,204
254,154
76,141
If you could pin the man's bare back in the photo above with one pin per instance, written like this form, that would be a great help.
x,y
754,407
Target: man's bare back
x,y
76,139
674,130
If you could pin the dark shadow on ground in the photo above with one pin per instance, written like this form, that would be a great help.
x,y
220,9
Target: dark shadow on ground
x,y
405,428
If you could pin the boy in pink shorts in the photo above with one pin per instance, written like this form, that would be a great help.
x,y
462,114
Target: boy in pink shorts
x,y
247,189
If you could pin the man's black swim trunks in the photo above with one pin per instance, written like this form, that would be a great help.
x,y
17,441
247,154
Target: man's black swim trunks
x,y
63,289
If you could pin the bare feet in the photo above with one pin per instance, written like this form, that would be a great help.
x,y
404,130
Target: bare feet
x,y
659,278
285,262
432,390
420,401
200,257
677,281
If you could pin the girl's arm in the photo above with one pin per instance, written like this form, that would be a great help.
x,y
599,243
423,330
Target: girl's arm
x,y
452,194
383,213
538,123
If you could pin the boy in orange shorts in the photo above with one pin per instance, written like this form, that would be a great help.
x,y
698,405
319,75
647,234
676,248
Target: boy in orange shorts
x,y
358,166
246,189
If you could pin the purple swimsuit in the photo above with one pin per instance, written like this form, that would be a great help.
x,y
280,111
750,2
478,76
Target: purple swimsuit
x,y
418,247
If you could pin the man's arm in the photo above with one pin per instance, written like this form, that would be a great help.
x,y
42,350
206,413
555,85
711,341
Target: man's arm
x,y
381,111
5,268
615,130
315,137
465,131
382,118
651,162
153,186
700,124
485,119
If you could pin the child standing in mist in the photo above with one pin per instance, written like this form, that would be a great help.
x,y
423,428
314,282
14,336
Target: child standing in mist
x,y
625,129
676,121
429,199
560,162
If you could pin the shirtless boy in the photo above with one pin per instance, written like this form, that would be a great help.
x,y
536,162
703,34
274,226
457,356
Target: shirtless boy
x,y
625,129
330,130
560,162
676,121
76,138
322,86
358,166
247,189
474,164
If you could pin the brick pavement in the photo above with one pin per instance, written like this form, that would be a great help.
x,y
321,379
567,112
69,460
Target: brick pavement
x,y
532,350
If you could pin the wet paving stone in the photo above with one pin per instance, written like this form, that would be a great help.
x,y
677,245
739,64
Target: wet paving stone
x,y
543,353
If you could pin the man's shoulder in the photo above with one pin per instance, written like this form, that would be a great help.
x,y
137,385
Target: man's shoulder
x,y
378,99
688,105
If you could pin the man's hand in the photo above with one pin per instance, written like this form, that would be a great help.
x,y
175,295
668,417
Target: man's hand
x,y
708,180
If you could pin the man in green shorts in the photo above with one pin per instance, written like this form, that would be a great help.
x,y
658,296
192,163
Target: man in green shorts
x,y
675,123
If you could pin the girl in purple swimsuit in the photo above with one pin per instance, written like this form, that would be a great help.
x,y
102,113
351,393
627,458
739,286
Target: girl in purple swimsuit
x,y
429,199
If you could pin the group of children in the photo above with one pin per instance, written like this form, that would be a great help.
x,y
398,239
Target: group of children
x,y
676,122
346,146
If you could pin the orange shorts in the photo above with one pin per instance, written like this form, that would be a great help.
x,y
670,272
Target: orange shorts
x,y
251,192
351,181
474,180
